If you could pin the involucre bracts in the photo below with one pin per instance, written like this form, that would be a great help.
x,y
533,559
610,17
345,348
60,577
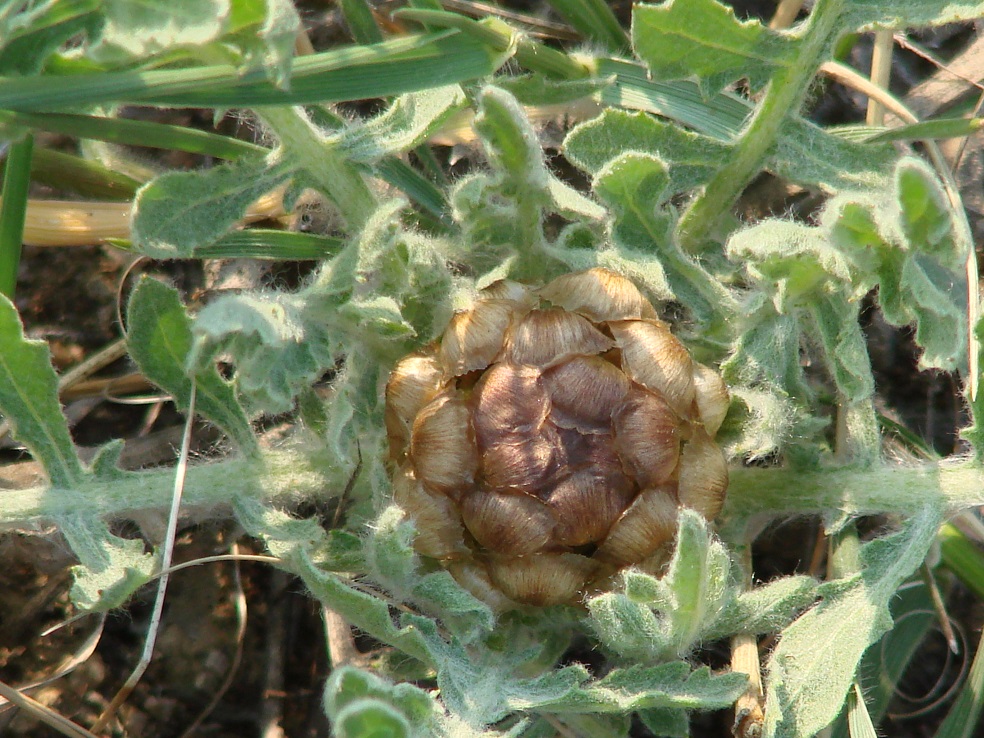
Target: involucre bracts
x,y
548,439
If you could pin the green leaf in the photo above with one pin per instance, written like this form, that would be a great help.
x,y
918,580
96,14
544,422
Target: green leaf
x,y
938,128
656,618
669,685
595,20
159,338
666,722
30,37
537,89
510,142
279,344
29,400
703,39
137,31
814,665
359,19
179,211
111,568
634,187
909,243
362,704
866,14
369,718
408,122
265,32
690,157
814,157
925,215
765,609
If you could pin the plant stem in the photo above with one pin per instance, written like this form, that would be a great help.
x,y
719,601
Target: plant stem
x,y
293,475
785,93
323,163
13,210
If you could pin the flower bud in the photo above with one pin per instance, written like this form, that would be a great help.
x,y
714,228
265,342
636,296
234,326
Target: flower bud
x,y
550,437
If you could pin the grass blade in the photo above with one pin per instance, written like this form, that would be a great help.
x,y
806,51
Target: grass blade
x,y
362,24
134,133
964,715
596,21
16,180
381,70
82,176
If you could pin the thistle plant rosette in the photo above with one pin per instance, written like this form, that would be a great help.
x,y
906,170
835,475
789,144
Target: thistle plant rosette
x,y
549,438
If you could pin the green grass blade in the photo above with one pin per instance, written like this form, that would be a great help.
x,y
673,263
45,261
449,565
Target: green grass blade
x,y
29,400
262,243
963,558
134,133
417,187
381,70
89,178
719,116
965,713
362,24
596,21
930,129
13,209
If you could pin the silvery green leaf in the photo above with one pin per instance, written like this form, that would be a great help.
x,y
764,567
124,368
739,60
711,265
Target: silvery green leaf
x,y
277,342
702,39
140,30
690,157
179,211
110,568
409,121
866,14
265,32
29,400
510,142
669,685
767,608
360,703
159,338
812,668
696,582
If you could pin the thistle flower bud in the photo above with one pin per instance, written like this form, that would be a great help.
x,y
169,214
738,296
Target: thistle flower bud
x,y
549,438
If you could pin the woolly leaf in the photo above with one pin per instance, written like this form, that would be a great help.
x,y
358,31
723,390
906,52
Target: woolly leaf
x,y
409,121
691,158
29,400
111,568
277,345
31,36
814,665
866,14
265,31
668,685
159,338
179,211
139,30
765,609
702,39
362,704
654,618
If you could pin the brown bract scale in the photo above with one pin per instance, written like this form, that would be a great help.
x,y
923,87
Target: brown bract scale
x,y
550,437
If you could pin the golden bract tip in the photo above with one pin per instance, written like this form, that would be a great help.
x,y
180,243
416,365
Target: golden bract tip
x,y
599,295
